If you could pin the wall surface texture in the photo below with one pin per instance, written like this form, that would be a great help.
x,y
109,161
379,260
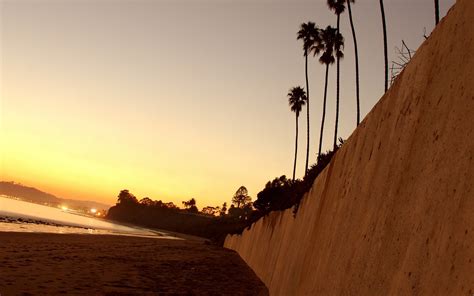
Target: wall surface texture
x,y
393,213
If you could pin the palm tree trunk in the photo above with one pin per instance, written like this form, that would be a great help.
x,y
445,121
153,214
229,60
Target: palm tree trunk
x,y
324,112
385,44
296,147
356,60
437,11
337,90
307,111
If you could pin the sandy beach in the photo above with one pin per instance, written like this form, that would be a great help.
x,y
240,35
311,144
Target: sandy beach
x,y
72,264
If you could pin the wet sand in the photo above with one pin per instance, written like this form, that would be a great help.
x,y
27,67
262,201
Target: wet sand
x,y
52,264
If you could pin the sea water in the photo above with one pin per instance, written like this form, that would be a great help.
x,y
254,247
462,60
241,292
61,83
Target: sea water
x,y
21,216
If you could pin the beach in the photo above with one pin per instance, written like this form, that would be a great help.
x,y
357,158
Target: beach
x,y
80,264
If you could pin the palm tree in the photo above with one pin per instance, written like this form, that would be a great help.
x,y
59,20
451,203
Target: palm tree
x,y
437,11
309,33
356,58
330,41
338,7
384,44
296,100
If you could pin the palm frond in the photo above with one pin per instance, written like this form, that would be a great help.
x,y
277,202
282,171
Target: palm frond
x,y
296,99
338,6
331,45
309,33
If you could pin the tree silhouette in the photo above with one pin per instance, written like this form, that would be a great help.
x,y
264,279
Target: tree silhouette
x,y
223,210
296,100
384,44
126,198
190,205
356,53
436,2
242,213
276,195
338,7
309,33
209,210
170,205
147,201
327,48
241,197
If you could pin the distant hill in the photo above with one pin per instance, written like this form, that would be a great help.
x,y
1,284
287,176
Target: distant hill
x,y
32,194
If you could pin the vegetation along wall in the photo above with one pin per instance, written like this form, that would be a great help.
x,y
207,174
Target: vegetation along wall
x,y
393,213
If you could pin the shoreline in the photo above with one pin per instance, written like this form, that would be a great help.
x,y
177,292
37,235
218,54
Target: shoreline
x,y
18,224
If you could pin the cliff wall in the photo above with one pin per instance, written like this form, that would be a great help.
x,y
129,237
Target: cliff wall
x,y
393,213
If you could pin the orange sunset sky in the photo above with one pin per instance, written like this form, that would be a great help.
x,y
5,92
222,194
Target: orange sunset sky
x,y
175,99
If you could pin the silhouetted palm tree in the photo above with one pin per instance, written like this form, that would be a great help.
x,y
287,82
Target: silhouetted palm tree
x,y
356,58
436,11
384,44
338,7
309,33
296,100
330,41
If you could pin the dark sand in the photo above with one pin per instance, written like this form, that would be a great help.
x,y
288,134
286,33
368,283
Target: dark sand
x,y
52,264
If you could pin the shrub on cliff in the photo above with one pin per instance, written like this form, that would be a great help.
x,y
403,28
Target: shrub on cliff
x,y
282,193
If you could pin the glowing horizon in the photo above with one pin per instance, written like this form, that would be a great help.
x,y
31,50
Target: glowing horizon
x,y
171,104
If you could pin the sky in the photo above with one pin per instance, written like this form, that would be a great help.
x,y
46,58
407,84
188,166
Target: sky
x,y
177,99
